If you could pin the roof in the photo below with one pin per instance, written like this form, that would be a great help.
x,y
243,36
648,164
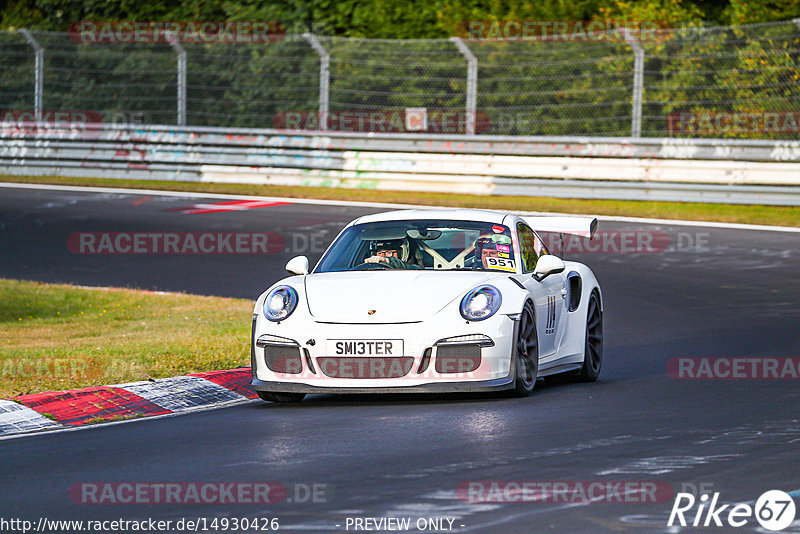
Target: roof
x,y
457,214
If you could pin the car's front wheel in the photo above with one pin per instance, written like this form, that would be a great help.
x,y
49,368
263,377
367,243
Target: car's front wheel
x,y
272,396
526,354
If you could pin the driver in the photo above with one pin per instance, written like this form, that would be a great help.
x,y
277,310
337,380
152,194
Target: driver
x,y
485,248
393,253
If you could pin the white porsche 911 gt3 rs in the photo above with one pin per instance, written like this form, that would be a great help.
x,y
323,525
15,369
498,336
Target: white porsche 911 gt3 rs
x,y
430,301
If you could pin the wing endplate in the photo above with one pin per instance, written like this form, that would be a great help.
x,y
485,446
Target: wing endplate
x,y
580,226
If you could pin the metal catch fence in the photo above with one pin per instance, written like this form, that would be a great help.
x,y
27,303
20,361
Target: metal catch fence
x,y
724,82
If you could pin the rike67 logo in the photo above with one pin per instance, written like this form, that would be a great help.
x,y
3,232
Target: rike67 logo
x,y
774,510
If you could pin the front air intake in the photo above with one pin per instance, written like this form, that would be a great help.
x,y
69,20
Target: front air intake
x,y
283,359
374,367
457,358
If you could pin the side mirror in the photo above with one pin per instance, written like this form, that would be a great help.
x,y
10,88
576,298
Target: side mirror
x,y
298,265
547,265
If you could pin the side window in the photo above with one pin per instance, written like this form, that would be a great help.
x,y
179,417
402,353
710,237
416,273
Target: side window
x,y
529,247
540,246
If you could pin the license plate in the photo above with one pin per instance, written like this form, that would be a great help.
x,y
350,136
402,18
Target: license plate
x,y
364,347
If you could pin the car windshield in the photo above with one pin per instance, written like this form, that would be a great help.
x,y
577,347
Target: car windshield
x,y
421,244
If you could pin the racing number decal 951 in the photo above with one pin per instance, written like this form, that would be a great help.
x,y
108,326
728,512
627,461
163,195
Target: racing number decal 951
x,y
500,264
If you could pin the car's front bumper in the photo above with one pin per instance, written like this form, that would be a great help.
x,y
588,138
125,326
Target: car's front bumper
x,y
495,371
441,387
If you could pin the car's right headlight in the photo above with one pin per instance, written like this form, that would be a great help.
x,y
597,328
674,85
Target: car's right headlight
x,y
481,303
280,303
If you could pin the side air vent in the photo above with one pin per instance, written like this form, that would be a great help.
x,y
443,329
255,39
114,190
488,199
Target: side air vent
x,y
575,285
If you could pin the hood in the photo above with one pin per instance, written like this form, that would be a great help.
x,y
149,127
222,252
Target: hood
x,y
396,296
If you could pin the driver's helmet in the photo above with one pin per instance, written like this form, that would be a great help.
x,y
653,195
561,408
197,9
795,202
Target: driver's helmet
x,y
400,245
482,242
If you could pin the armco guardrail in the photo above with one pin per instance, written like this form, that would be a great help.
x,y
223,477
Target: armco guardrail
x,y
759,172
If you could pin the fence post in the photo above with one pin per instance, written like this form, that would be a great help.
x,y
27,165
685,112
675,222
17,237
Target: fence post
x,y
173,42
324,78
472,82
638,82
38,78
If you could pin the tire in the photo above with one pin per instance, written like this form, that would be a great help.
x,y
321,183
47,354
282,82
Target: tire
x,y
282,398
526,354
593,348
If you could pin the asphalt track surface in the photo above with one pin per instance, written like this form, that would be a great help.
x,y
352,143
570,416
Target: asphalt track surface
x,y
734,293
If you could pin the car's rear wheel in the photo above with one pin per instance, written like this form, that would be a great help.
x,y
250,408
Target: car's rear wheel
x,y
593,351
526,354
272,396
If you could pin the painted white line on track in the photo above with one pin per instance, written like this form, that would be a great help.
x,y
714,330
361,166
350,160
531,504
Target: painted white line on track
x,y
678,222
192,194
354,203
143,291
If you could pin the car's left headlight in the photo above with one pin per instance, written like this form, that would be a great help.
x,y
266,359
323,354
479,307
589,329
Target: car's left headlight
x,y
280,303
481,303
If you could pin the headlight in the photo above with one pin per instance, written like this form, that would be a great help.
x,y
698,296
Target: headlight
x,y
280,303
480,303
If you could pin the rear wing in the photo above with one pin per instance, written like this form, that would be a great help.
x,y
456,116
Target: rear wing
x,y
580,226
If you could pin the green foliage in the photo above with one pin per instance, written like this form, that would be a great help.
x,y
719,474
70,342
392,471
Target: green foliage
x,y
388,18
750,12
524,87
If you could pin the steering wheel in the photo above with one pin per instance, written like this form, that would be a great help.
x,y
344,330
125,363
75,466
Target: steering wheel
x,y
370,266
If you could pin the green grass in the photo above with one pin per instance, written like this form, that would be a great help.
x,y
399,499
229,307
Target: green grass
x,y
734,213
112,419
55,337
